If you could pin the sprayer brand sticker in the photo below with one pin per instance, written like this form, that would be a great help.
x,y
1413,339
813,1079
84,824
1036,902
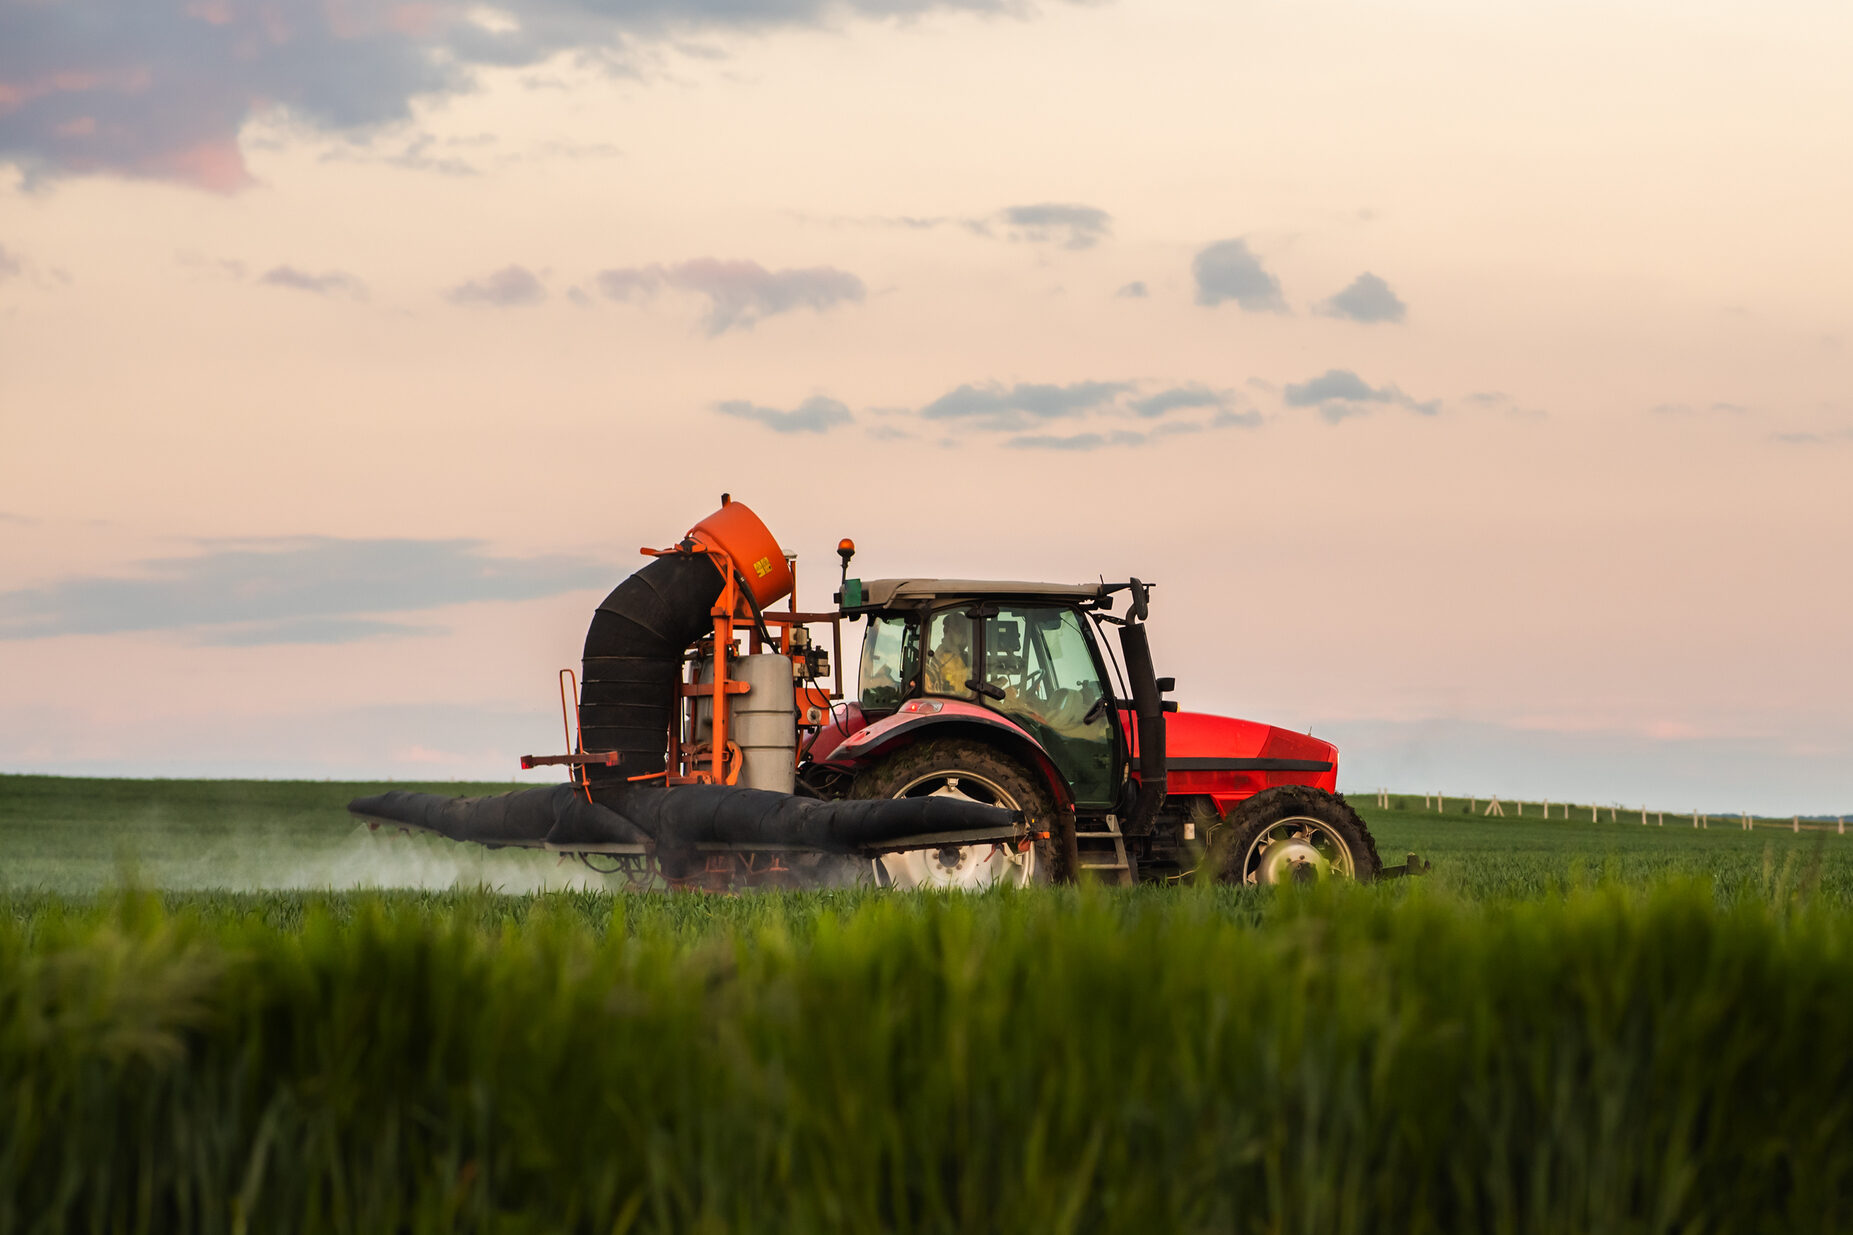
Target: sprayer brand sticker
x,y
763,567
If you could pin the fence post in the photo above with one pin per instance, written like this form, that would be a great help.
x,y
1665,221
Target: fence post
x,y
1521,809
1798,823
1843,825
1441,805
1662,818
1595,814
1566,810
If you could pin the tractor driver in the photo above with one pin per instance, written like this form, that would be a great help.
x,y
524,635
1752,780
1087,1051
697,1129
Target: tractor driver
x,y
949,665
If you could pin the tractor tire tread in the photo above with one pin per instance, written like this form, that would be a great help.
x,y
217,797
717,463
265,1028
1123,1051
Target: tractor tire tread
x,y
1286,801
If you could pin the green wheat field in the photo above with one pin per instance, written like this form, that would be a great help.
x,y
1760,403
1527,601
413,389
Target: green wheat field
x,y
225,1008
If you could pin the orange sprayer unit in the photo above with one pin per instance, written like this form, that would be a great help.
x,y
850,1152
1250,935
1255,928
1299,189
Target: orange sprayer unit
x,y
754,573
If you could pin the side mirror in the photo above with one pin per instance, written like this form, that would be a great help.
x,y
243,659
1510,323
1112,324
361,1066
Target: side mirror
x,y
1141,596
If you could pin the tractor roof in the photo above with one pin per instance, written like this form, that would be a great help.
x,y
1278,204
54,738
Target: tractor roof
x,y
907,593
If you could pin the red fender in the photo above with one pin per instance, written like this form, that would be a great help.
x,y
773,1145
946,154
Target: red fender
x,y
920,718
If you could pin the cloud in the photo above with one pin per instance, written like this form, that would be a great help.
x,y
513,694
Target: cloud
x,y
1340,394
307,630
333,283
1499,401
1076,441
7,516
1006,408
1830,437
815,415
508,288
159,89
1098,441
1226,419
1070,226
1067,224
739,293
1132,291
1227,270
888,433
1367,299
9,266
1178,397
288,590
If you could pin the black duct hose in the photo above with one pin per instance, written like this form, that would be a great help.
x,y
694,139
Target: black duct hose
x,y
633,661
1148,707
676,820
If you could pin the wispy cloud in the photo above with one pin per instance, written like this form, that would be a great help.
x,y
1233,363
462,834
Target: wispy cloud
x,y
508,288
328,283
1067,225
288,590
1367,299
815,415
1500,401
1135,290
1826,437
1101,440
996,406
1228,270
1179,397
1340,394
10,267
739,293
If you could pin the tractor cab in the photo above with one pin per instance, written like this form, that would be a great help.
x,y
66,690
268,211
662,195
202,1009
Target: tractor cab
x,y
1027,654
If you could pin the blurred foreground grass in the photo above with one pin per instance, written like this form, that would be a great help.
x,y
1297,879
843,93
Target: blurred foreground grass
x,y
1333,1059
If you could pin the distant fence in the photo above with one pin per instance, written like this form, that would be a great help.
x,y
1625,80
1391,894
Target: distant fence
x,y
1437,803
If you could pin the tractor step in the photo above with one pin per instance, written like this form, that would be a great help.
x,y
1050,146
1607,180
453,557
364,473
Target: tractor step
x,y
1100,858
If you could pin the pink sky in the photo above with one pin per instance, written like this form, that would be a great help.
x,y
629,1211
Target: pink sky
x,y
347,359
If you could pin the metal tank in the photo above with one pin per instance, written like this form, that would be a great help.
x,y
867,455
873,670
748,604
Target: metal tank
x,y
763,722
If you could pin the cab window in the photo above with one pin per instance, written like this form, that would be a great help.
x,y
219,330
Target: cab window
x,y
890,659
1043,663
947,667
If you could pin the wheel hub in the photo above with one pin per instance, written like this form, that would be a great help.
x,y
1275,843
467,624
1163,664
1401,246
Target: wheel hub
x,y
1298,850
957,866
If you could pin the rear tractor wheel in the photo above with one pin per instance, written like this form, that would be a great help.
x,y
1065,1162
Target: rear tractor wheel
x,y
1296,834
959,768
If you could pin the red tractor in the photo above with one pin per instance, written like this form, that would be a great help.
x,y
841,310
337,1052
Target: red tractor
x,y
996,736
1010,694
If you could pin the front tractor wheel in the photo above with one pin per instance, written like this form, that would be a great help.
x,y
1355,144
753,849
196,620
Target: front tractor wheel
x,y
1295,834
958,768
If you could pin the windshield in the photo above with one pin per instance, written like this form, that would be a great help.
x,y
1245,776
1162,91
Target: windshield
x,y
890,660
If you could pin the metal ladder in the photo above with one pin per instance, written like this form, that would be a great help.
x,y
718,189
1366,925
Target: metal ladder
x,y
1121,863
